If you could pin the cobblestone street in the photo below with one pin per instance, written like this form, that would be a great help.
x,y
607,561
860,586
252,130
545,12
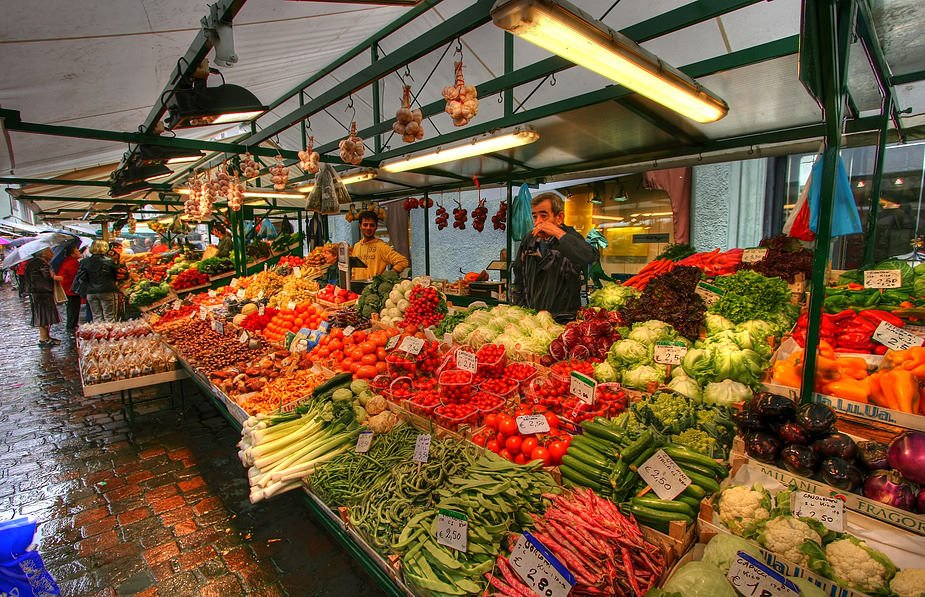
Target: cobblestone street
x,y
158,508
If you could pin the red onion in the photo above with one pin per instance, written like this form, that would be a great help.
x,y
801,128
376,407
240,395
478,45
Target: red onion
x,y
888,487
907,455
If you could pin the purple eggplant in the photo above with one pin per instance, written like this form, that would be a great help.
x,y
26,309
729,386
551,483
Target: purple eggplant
x,y
841,474
890,488
873,455
762,446
817,419
836,444
747,421
791,433
799,460
772,408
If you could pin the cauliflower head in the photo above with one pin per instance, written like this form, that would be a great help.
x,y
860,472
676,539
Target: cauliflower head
x,y
785,535
909,582
743,508
857,566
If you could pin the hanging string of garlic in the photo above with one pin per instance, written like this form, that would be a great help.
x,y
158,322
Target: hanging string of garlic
x,y
462,102
352,148
236,194
208,193
131,224
408,121
309,158
279,174
191,205
249,168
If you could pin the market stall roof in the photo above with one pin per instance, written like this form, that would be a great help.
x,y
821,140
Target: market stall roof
x,y
102,69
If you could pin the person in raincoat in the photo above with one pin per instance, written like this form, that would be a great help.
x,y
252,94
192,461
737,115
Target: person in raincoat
x,y
551,261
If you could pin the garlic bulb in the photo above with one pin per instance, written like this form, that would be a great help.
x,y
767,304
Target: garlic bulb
x,y
249,168
236,195
308,159
279,174
352,148
462,102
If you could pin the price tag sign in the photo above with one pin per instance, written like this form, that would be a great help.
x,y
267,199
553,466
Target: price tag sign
x,y
752,578
348,331
260,294
664,476
669,353
219,326
883,278
234,283
582,387
453,529
203,311
291,306
261,309
421,448
177,304
244,338
467,361
411,345
896,338
827,510
530,424
539,569
212,294
297,271
240,294
364,441
448,339
754,255
709,294
392,342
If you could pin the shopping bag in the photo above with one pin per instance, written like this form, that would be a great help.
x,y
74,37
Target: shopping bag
x,y
22,572
521,214
797,224
60,295
845,217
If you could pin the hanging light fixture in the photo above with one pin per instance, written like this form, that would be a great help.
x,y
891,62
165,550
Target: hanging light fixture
x,y
192,103
487,143
565,30
150,154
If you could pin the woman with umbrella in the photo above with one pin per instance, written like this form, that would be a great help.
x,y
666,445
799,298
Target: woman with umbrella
x,y
40,282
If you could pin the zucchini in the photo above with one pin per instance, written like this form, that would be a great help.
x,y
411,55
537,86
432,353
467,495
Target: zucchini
x,y
694,491
599,475
692,502
657,519
682,453
708,484
590,458
607,433
639,446
589,443
576,478
696,469
664,505
341,379
645,455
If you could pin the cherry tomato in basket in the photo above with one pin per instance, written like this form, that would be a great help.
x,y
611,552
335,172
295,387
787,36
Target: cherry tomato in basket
x,y
513,444
492,445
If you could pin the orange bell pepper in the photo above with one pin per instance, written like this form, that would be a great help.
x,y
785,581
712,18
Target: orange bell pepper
x,y
876,389
901,390
849,389
786,374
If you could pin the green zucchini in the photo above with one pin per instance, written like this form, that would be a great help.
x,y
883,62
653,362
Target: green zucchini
x,y
577,478
692,502
645,455
600,475
590,443
694,491
639,446
592,458
707,483
341,379
697,469
650,513
685,454
664,505
608,433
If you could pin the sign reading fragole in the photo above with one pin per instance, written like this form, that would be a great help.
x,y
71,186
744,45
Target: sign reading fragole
x,y
582,387
453,529
421,448
467,361
664,476
883,278
754,255
827,510
896,338
539,569
669,353
531,424
752,578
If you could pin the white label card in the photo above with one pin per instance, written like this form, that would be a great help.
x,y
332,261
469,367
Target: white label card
x,y
827,510
260,294
539,569
364,441
348,331
531,424
212,294
421,448
411,345
261,309
709,294
664,476
241,294
896,338
453,530
177,304
393,341
753,255
297,271
233,283
467,361
244,338
667,353
203,311
752,578
219,326
291,306
883,278
582,387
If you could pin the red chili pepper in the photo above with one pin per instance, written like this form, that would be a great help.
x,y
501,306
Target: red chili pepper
x,y
876,316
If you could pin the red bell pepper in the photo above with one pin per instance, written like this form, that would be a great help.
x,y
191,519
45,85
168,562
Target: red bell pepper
x,y
876,316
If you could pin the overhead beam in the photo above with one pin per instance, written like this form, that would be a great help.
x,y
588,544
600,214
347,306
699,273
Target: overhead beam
x,y
53,181
906,78
656,119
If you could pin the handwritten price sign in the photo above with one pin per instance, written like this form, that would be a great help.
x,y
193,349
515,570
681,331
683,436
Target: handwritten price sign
x,y
411,345
753,255
709,294
896,338
421,448
453,529
364,441
531,424
392,343
664,476
467,361
669,353
753,579
582,387
883,278
827,510
539,569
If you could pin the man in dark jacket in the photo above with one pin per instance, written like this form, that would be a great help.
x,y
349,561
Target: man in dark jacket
x,y
550,262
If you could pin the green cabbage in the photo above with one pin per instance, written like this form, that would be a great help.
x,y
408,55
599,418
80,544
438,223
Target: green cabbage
x,y
698,363
604,372
717,323
612,296
639,377
759,329
644,335
687,386
745,366
699,579
723,549
628,353
726,393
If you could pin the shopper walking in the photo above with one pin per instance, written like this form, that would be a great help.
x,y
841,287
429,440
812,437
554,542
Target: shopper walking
x,y
98,274
68,271
21,278
40,284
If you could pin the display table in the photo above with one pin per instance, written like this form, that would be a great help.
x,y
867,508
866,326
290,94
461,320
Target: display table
x,y
125,387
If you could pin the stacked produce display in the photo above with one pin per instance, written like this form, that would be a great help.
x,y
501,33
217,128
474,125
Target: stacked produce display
x,y
452,442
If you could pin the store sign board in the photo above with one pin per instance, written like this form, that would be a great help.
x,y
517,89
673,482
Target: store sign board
x,y
896,338
651,238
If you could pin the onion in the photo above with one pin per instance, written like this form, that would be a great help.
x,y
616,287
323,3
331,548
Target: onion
x,y
888,487
907,455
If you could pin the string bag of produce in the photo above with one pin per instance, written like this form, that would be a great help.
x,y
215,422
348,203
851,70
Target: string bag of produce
x,y
670,298
328,193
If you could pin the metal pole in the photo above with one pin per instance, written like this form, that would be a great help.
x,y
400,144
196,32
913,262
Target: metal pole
x,y
301,234
876,183
374,56
426,235
302,124
508,68
835,19
510,242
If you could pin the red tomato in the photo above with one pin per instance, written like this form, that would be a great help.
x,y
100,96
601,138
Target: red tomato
x,y
513,444
501,439
528,444
520,459
353,368
479,439
368,347
382,367
368,359
492,445
552,419
366,371
359,337
557,451
506,454
507,425
491,421
540,453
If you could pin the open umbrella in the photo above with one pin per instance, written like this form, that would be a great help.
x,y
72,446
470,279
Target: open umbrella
x,y
18,242
45,240
4,241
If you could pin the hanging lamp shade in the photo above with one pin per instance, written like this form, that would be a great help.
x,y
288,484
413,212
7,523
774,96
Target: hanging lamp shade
x,y
204,106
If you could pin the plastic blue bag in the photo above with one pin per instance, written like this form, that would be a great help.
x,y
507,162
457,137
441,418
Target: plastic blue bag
x,y
521,214
845,217
22,572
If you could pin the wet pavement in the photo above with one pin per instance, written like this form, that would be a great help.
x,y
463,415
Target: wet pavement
x,y
157,508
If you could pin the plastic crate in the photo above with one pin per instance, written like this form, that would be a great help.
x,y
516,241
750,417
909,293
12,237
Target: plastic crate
x,y
401,389
522,373
417,404
494,368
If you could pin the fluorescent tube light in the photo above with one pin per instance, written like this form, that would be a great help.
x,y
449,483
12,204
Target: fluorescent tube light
x,y
565,30
614,218
488,143
255,193
349,177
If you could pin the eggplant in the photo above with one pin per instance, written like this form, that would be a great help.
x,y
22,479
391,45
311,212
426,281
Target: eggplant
x,y
791,433
920,501
836,444
799,460
873,455
762,446
772,408
817,419
746,421
841,474
889,487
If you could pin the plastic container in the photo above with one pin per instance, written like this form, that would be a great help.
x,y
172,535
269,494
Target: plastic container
x,y
502,388
522,373
447,417
401,389
491,366
401,364
380,384
424,383
456,392
612,397
423,403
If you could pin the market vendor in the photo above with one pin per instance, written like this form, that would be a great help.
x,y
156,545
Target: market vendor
x,y
551,261
374,252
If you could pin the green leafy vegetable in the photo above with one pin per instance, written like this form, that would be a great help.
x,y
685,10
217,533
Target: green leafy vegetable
x,y
749,295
